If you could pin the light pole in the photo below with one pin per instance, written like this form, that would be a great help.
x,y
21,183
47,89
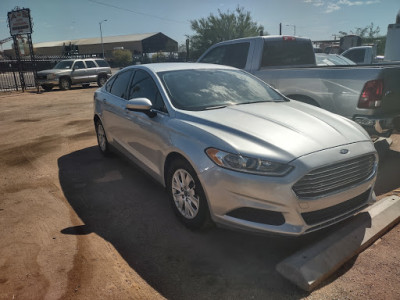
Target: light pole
x,y
294,28
101,36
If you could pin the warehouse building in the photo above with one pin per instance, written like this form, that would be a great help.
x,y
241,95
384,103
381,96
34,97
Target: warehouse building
x,y
137,43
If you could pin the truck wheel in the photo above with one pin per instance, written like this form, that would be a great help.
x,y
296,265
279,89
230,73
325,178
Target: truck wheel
x,y
101,80
65,84
85,85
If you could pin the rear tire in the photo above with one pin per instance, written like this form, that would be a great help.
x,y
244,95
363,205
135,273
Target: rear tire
x,y
85,85
187,196
101,80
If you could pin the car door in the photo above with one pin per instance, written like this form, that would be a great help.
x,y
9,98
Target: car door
x,y
147,138
91,71
78,73
113,104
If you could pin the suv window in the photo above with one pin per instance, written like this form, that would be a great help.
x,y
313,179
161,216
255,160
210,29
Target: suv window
x,y
79,65
120,84
90,64
287,53
102,63
143,86
234,55
110,83
356,55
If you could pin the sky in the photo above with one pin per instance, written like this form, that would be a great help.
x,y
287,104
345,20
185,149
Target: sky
x,y
56,20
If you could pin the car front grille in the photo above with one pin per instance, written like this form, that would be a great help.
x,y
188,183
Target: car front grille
x,y
338,211
335,177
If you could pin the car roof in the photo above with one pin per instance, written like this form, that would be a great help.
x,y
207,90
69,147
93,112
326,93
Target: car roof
x,y
162,67
88,58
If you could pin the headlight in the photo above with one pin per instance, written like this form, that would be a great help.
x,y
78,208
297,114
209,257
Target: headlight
x,y
245,164
51,76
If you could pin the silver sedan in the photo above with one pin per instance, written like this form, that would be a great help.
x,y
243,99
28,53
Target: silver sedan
x,y
233,151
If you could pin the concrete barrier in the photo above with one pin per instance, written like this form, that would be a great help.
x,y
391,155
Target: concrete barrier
x,y
310,266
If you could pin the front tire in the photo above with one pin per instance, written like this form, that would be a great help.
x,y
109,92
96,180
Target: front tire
x,y
65,84
187,196
102,141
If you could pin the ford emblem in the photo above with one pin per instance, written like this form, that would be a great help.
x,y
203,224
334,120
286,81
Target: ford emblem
x,y
344,151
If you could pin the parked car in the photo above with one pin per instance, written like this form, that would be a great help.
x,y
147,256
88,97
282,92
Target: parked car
x,y
323,59
232,150
366,94
74,71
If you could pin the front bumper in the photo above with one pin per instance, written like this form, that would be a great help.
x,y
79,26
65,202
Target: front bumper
x,y
53,82
232,196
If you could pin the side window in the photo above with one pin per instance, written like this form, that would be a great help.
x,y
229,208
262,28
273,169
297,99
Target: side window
x,y
143,86
102,63
110,83
356,55
90,64
79,65
287,53
234,55
120,85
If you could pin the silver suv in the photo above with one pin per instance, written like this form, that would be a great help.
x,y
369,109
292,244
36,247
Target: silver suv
x,y
75,71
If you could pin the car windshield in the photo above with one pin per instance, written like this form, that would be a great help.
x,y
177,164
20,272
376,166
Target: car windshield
x,y
210,89
332,60
64,64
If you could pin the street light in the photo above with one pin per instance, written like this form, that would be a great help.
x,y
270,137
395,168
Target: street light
x,y
101,36
294,28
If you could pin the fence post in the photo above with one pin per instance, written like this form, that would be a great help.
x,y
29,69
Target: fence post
x,y
15,78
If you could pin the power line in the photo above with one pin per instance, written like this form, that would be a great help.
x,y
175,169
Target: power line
x,y
137,12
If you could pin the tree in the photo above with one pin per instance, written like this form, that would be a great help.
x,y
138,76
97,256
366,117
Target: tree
x,y
224,26
369,35
367,32
158,57
122,57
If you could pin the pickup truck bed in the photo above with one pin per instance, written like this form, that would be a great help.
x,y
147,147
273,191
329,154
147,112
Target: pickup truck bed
x,y
369,95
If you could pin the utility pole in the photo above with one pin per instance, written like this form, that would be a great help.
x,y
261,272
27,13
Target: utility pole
x,y
101,37
280,28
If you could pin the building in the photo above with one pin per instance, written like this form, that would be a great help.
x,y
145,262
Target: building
x,y
137,43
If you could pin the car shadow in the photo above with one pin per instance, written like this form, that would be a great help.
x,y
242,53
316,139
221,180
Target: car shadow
x,y
388,178
120,203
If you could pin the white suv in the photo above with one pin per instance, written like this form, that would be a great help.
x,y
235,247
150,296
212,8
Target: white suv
x,y
74,71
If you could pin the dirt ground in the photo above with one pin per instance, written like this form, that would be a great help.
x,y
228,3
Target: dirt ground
x,y
76,225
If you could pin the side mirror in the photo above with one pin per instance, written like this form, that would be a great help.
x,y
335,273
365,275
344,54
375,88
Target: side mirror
x,y
141,105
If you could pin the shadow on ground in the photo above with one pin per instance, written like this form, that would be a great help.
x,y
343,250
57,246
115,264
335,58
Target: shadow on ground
x,y
389,169
121,204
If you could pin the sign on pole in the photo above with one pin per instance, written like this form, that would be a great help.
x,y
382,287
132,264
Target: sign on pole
x,y
20,21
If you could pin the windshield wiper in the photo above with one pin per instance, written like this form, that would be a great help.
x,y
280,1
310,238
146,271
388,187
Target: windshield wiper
x,y
215,107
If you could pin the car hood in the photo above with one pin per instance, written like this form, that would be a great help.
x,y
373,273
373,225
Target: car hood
x,y
276,130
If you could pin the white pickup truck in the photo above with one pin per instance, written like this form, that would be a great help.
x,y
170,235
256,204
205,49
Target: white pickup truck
x,y
369,95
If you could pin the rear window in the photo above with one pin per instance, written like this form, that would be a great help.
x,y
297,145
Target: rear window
x,y
234,55
356,55
102,63
287,53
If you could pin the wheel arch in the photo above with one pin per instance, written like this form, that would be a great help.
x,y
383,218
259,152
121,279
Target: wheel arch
x,y
168,161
